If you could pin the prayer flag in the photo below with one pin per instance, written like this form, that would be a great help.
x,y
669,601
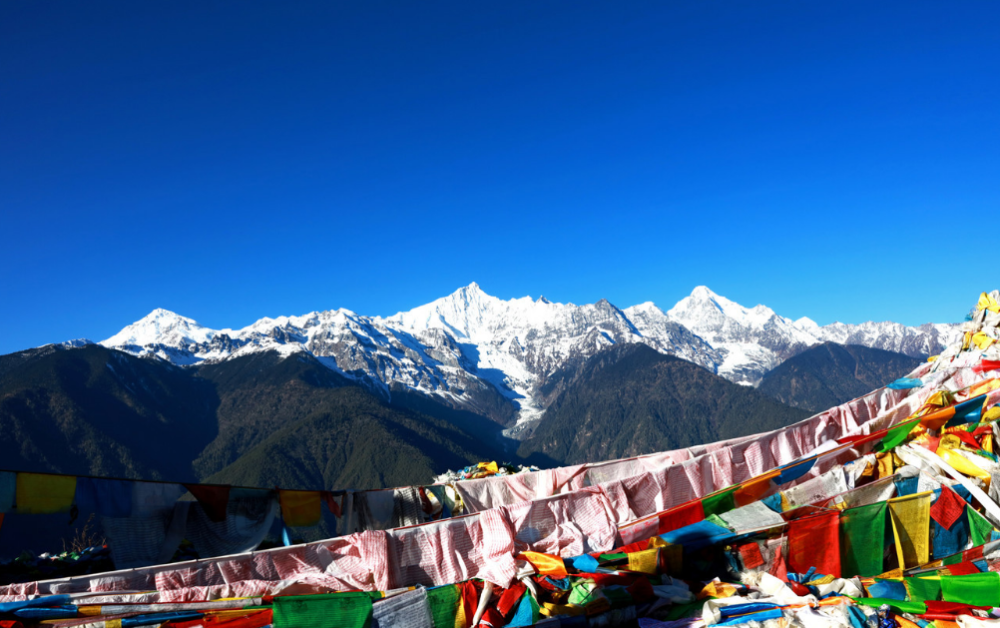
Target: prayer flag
x,y
545,564
861,532
896,435
684,515
719,503
794,471
979,527
815,542
947,508
213,499
753,489
8,487
922,589
977,589
108,498
43,494
644,561
911,528
300,508
347,610
446,607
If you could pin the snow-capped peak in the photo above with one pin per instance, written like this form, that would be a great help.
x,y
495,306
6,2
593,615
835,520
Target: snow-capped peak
x,y
807,324
160,327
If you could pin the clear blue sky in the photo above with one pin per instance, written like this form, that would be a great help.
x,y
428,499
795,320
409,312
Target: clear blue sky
x,y
231,160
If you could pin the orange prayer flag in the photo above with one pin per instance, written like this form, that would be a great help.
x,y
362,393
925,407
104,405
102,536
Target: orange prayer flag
x,y
937,419
545,564
754,489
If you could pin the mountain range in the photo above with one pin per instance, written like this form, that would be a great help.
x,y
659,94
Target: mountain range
x,y
477,353
338,400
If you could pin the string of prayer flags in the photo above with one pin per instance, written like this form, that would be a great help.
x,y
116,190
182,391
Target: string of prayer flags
x,y
910,517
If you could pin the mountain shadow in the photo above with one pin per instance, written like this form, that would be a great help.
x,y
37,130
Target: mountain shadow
x,y
629,400
830,374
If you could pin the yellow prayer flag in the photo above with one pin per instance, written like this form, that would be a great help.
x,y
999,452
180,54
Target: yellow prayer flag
x,y
911,521
981,340
300,508
44,494
892,574
489,467
986,302
991,415
885,466
644,561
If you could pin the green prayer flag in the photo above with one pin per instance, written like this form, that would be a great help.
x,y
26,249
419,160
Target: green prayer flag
x,y
444,603
917,608
610,557
978,589
895,436
862,532
719,503
347,610
922,589
979,527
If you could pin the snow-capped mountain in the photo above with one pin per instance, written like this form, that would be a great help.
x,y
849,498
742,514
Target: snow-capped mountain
x,y
482,353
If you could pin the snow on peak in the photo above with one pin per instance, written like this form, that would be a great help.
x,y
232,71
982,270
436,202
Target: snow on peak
x,y
808,325
160,327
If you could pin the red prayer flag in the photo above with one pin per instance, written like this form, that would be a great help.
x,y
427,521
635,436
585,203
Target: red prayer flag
x,y
750,553
939,607
214,499
684,515
948,508
815,542
470,597
973,553
331,503
510,598
967,438
986,365
963,569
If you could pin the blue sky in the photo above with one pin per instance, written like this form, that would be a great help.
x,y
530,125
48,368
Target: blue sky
x,y
233,160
